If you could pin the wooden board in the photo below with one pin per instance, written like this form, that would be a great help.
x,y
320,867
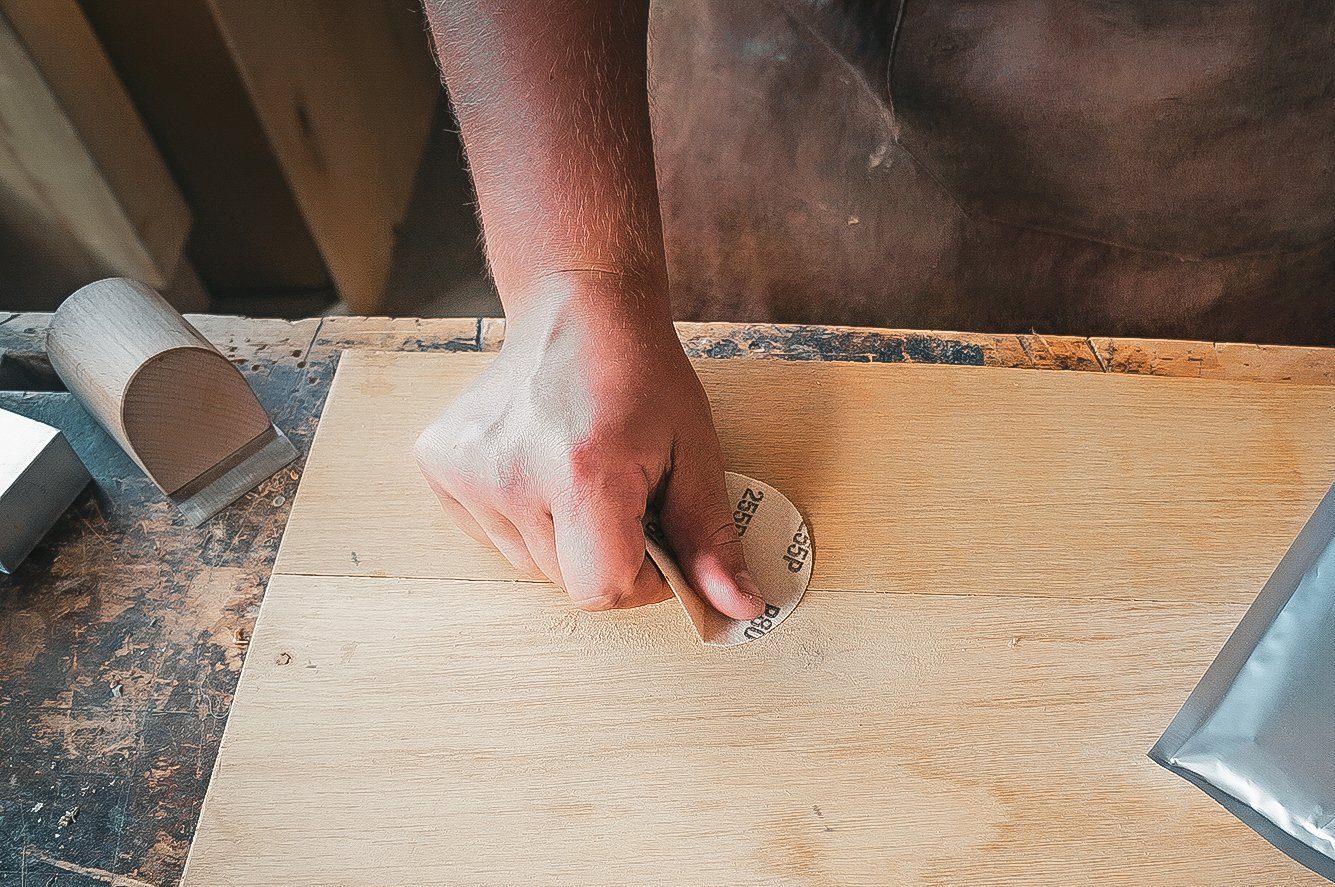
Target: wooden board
x,y
345,91
80,174
914,478
1019,576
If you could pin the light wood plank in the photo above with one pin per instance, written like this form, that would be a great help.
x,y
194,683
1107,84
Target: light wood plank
x,y
927,479
987,724
345,91
395,334
1174,358
1217,360
449,732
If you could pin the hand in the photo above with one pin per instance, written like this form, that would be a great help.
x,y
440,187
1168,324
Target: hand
x,y
553,453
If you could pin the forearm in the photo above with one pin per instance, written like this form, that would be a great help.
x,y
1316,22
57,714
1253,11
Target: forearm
x,y
591,414
553,106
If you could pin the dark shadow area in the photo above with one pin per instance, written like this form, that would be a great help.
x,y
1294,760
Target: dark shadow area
x,y
438,269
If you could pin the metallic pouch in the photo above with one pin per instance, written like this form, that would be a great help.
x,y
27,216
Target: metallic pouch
x,y
1258,732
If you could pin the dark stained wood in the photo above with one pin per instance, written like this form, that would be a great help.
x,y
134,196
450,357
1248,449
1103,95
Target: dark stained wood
x,y
122,637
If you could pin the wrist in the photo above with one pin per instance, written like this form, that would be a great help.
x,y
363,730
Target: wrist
x,y
613,307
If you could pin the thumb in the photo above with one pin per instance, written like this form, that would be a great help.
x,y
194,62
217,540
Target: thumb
x,y
696,517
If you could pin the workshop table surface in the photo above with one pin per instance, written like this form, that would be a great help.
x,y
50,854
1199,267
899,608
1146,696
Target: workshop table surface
x,y
122,636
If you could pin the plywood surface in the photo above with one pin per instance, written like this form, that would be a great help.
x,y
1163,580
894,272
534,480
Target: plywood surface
x,y
914,478
1018,578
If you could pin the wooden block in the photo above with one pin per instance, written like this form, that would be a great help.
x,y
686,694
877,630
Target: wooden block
x,y
1019,577
161,389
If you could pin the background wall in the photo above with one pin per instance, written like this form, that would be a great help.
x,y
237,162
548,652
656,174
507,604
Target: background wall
x,y
278,159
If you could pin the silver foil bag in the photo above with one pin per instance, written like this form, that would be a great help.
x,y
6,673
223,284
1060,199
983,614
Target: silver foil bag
x,y
1258,732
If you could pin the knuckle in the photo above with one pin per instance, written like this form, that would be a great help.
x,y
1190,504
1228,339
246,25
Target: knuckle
x,y
586,465
427,449
491,476
526,566
600,590
599,480
571,499
719,538
436,456
723,535
511,480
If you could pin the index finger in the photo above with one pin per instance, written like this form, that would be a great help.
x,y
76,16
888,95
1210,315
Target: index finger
x,y
600,547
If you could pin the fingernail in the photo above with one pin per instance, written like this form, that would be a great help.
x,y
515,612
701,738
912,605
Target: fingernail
x,y
747,586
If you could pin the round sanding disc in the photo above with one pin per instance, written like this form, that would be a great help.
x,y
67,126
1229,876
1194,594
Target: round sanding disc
x,y
779,554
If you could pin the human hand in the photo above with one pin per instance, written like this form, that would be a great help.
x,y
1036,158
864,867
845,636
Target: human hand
x,y
554,452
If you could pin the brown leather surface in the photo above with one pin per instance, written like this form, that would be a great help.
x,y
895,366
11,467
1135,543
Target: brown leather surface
x,y
1104,168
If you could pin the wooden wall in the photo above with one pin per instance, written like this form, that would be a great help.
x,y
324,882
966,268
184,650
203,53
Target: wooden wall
x,y
218,150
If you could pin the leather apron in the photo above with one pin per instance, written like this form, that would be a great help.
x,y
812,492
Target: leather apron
x,y
1149,168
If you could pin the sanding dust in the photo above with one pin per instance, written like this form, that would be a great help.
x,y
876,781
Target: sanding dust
x,y
779,554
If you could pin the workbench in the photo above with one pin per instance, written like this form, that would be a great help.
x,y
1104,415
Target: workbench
x,y
122,637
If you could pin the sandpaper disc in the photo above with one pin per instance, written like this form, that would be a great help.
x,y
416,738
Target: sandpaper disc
x,y
779,554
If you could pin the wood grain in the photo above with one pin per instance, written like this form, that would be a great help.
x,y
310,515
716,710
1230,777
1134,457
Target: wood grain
x,y
248,235
1173,358
1061,548
1215,360
125,567
449,732
77,160
60,39
161,389
345,91
929,479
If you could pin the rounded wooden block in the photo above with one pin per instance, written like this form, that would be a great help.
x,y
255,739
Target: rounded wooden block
x,y
176,405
